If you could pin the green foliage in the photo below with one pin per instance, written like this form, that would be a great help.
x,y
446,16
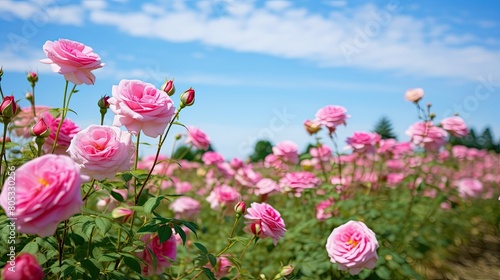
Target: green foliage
x,y
384,128
261,150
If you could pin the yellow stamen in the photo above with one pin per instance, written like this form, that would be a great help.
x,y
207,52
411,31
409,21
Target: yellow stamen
x,y
44,182
354,243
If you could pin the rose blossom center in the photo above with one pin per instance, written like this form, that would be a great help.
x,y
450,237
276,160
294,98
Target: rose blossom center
x,y
353,242
43,181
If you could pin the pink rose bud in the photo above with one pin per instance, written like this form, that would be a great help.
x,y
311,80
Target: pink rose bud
x,y
168,87
7,139
187,97
285,271
103,102
1,73
414,95
256,229
40,129
240,208
29,97
122,212
9,107
32,77
27,267
312,127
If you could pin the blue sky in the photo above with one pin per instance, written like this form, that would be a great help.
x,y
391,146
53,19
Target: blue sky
x,y
260,68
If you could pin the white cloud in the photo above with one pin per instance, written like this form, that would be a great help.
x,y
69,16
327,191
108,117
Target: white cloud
x,y
94,4
337,3
38,13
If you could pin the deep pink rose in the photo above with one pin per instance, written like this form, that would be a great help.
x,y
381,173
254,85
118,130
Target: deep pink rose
x,y
469,187
353,246
185,207
427,135
47,192
68,130
72,59
265,221
23,121
297,182
140,106
223,196
321,153
197,138
164,253
455,126
212,158
26,267
363,142
102,151
287,152
331,116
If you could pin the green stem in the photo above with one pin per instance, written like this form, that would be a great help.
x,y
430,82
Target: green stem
x,y
2,155
33,100
90,242
91,187
61,243
63,113
246,247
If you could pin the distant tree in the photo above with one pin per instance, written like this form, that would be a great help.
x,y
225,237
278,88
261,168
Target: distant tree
x,y
384,128
261,150
183,152
483,141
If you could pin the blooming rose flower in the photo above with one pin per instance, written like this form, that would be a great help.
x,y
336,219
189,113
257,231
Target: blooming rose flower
x,y
247,176
363,142
353,246
287,152
163,252
222,196
47,192
197,138
139,106
455,126
414,94
102,151
266,186
427,135
267,219
72,59
321,153
331,116
296,182
185,207
321,214
222,266
312,127
469,187
274,161
212,158
26,267
68,130
23,121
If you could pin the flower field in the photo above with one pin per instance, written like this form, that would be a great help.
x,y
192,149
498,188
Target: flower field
x,y
79,203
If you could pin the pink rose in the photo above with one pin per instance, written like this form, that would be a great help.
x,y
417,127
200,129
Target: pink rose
x,y
321,153
212,158
185,207
23,121
222,266
140,106
455,126
68,130
247,177
26,267
321,213
223,196
265,221
164,253
287,152
266,186
47,192
331,116
353,246
102,151
414,94
197,138
72,59
363,142
427,135
469,187
296,182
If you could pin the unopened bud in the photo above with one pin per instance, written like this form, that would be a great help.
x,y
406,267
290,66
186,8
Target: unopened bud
x,y
312,127
29,97
9,107
32,77
103,102
40,129
255,229
168,87
429,105
432,116
286,270
1,72
6,139
240,208
187,97
178,136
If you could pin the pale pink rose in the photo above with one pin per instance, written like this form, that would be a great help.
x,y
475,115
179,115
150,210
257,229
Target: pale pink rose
x,y
427,135
395,164
455,126
469,187
102,151
225,169
27,267
321,153
414,94
164,253
312,127
247,177
310,164
331,116
402,148
222,266
321,213
353,246
210,157
393,179
223,196
287,152
363,142
266,186
161,164
72,59
236,163
459,151
274,161
185,207
24,120
197,138
265,221
47,192
68,130
297,182
386,146
183,187
140,106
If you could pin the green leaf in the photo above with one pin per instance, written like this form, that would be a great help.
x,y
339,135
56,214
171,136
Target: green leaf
x,y
149,227
209,273
191,226
152,203
200,260
126,177
31,248
201,247
116,196
383,272
164,233
212,259
91,267
109,257
103,224
181,233
132,263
